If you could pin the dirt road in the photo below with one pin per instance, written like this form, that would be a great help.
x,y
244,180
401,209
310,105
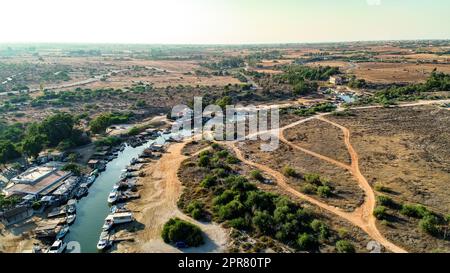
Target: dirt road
x,y
361,217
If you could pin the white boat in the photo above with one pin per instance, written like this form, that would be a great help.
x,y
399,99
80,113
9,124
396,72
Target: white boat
x,y
71,209
90,180
109,223
62,232
103,241
118,208
57,247
112,198
116,187
117,219
71,219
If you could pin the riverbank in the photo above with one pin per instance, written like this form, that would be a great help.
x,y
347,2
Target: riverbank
x,y
159,195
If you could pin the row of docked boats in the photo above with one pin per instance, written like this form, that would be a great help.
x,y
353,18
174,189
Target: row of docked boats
x,y
119,215
69,211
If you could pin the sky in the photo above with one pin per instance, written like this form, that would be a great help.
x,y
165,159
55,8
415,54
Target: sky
x,y
221,21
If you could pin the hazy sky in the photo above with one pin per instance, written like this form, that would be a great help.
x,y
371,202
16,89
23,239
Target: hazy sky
x,y
221,21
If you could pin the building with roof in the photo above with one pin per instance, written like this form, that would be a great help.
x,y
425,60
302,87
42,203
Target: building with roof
x,y
35,181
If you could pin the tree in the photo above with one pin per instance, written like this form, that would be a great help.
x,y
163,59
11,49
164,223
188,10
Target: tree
x,y
263,222
304,88
224,101
416,211
196,210
8,151
33,145
257,175
134,131
177,230
72,167
429,224
383,200
203,161
231,210
57,128
306,242
343,246
324,191
208,182
380,212
289,171
320,228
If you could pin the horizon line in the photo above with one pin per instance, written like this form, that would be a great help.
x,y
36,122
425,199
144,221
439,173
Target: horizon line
x,y
226,44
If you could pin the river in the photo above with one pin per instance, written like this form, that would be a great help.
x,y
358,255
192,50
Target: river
x,y
93,209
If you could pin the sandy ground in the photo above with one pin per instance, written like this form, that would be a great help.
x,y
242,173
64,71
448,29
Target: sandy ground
x,y
17,239
158,204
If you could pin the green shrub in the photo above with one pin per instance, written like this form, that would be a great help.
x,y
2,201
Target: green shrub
x,y
257,175
220,172
381,188
196,210
222,154
231,160
306,242
429,224
309,189
216,146
177,230
239,223
204,153
289,171
380,212
383,200
263,222
72,167
203,161
344,246
208,182
231,210
324,191
320,228
416,211
312,178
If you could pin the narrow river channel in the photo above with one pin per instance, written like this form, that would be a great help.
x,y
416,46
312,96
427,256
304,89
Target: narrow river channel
x,y
93,209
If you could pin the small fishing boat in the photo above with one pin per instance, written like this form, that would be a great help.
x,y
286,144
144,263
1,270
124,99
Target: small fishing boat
x,y
109,223
71,206
82,191
71,209
94,173
104,241
71,218
62,232
118,209
57,247
113,195
90,180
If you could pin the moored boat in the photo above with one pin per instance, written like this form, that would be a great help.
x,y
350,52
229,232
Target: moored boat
x,y
113,195
71,218
62,232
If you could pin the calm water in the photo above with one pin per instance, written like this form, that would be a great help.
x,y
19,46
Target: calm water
x,y
93,209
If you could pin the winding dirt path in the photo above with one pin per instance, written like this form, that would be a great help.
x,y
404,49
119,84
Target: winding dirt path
x,y
361,217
